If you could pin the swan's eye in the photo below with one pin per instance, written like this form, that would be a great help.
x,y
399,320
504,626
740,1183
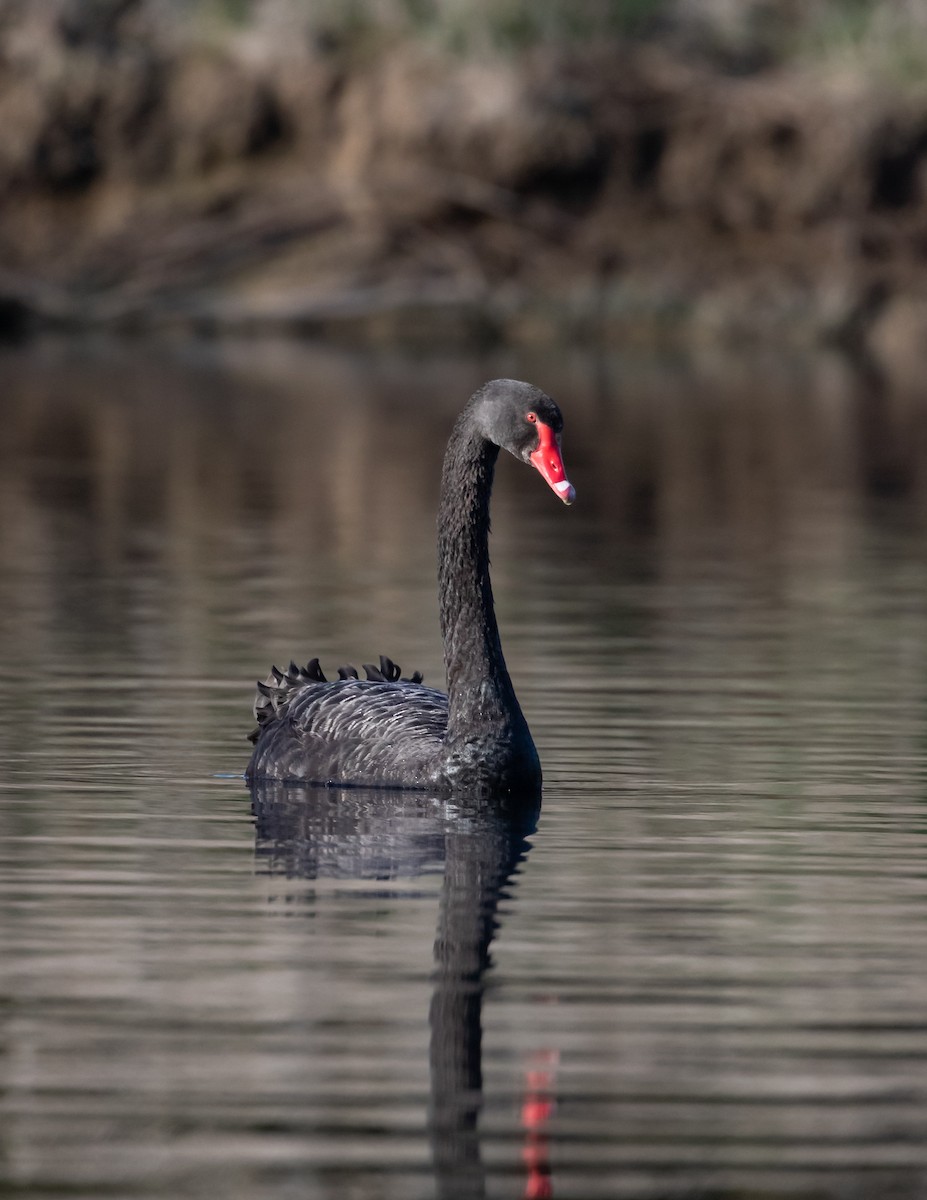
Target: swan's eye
x,y
532,417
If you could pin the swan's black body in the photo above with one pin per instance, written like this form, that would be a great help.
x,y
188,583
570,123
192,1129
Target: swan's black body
x,y
389,732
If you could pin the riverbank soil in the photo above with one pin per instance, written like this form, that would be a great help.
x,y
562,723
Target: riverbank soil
x,y
612,190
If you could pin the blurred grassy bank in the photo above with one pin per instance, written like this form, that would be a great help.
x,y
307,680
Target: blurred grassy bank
x,y
468,169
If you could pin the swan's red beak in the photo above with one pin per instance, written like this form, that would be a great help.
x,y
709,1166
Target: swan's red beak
x,y
549,462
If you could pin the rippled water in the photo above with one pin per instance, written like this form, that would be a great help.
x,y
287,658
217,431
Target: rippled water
x,y
701,970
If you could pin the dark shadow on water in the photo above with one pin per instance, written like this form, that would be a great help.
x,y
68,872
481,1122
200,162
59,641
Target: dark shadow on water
x,y
312,833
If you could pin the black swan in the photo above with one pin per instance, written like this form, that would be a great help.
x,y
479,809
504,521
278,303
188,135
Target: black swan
x,y
384,731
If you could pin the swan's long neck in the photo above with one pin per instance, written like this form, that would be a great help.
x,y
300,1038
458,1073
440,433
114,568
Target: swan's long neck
x,y
480,692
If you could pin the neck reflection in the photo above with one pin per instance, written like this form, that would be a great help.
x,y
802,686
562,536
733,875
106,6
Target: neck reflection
x,y
309,833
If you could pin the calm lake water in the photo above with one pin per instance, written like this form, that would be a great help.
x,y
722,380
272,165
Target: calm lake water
x,y
699,971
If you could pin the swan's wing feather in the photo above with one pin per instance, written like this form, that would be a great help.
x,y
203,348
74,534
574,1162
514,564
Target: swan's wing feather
x,y
389,669
374,731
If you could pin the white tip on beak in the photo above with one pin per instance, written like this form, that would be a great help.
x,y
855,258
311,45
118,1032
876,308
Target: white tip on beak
x,y
565,491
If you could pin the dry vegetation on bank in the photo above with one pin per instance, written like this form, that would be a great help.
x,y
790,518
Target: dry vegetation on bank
x,y
468,169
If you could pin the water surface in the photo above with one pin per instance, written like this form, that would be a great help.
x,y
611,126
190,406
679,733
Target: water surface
x,y
700,970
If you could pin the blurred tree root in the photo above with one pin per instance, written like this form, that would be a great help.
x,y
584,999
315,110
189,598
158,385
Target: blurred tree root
x,y
594,191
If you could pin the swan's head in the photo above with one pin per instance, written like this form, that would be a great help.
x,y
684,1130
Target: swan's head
x,y
522,419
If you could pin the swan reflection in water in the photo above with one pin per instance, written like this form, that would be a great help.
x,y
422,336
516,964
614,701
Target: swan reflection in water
x,y
311,833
